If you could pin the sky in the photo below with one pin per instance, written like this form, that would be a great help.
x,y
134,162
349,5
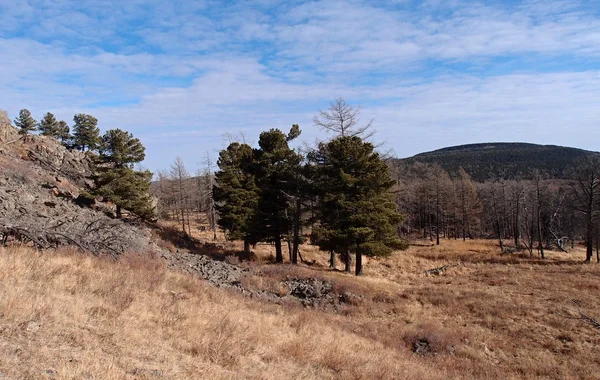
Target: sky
x,y
187,77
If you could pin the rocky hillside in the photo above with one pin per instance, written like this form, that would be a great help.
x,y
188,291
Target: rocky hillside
x,y
40,198
504,160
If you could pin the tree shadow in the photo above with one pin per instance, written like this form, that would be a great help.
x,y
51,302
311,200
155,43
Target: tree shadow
x,y
178,240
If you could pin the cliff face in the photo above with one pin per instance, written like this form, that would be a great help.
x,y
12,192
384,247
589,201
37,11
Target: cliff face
x,y
40,198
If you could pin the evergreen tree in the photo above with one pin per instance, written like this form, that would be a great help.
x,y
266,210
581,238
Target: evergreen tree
x,y
25,122
115,178
275,168
127,189
85,132
49,126
235,192
64,133
120,149
357,213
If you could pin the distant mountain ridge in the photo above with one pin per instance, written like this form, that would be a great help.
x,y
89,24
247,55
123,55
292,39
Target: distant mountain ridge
x,y
485,161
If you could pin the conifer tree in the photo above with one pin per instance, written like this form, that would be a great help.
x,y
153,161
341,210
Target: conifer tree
x,y
117,181
85,132
64,133
25,122
275,166
49,126
121,149
235,192
357,213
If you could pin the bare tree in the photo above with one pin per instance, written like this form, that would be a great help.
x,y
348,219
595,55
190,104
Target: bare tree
x,y
179,176
469,205
343,120
209,183
586,194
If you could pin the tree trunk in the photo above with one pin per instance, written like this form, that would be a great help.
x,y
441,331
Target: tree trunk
x,y
597,242
332,259
348,261
589,239
437,219
182,220
246,245
358,271
297,216
540,236
278,251
119,212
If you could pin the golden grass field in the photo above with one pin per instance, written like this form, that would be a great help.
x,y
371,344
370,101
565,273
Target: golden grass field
x,y
65,315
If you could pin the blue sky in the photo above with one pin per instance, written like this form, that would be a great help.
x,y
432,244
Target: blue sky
x,y
187,76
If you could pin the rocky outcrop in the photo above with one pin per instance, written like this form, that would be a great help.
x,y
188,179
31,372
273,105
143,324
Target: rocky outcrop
x,y
7,131
41,186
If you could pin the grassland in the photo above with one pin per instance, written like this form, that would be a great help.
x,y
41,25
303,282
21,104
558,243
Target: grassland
x,y
64,315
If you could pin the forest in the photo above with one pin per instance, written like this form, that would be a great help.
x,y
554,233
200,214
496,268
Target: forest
x,y
349,200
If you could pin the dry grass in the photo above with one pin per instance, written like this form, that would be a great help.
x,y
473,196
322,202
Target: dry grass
x,y
72,317
492,316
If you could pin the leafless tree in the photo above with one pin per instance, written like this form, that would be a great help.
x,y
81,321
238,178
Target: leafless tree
x,y
586,194
181,192
343,120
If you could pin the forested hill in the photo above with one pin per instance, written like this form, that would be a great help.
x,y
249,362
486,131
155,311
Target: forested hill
x,y
504,160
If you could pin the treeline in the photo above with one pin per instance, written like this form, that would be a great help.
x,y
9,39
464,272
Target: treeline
x,y
113,157
533,214
337,194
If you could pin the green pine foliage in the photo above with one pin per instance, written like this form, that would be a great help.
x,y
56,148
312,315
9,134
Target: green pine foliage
x,y
86,134
49,126
25,122
127,189
121,149
235,192
64,133
117,181
356,212
275,168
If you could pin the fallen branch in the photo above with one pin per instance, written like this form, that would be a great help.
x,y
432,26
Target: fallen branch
x,y
440,270
584,317
12,141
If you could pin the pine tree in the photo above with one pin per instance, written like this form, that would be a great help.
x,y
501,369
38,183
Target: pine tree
x,y
64,133
357,213
121,149
275,166
25,122
49,126
127,189
117,181
235,192
85,132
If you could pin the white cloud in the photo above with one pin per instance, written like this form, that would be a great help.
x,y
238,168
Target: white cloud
x,y
186,72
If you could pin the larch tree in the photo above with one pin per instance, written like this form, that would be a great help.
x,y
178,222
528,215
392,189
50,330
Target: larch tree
x,y
356,212
86,134
180,189
586,198
469,205
342,119
25,122
235,193
441,186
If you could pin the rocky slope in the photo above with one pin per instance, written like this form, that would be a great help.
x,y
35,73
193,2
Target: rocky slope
x,y
41,202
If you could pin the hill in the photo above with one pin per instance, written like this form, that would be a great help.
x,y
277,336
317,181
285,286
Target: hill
x,y
504,160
